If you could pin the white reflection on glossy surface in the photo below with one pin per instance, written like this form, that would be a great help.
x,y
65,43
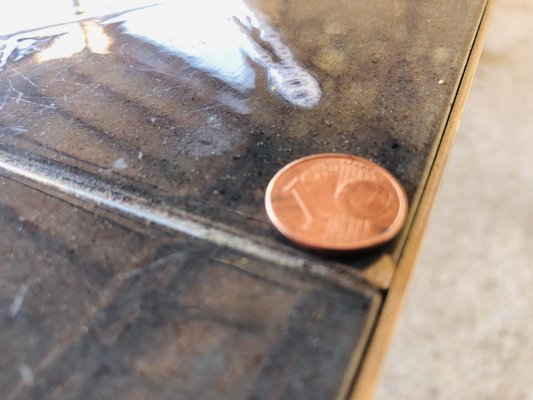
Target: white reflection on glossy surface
x,y
76,38
223,38
220,37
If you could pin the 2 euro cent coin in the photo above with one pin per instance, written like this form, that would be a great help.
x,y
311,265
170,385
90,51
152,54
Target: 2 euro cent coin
x,y
336,202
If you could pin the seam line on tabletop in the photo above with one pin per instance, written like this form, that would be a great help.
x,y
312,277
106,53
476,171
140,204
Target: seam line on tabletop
x,y
123,202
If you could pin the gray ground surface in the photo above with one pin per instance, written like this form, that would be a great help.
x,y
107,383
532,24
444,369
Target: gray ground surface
x,y
467,328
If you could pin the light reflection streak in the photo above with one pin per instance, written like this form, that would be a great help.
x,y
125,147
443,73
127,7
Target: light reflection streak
x,y
224,38
220,37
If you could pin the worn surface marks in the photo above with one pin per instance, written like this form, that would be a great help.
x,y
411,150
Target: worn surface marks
x,y
93,307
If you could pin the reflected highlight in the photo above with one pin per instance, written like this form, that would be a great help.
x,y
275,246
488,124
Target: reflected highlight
x,y
222,38
226,39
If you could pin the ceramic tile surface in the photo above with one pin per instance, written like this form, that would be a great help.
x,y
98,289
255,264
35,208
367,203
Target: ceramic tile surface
x,y
197,104
92,306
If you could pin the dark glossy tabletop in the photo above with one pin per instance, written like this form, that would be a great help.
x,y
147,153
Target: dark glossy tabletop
x,y
136,142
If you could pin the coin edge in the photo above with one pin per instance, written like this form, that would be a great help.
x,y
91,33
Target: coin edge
x,y
403,210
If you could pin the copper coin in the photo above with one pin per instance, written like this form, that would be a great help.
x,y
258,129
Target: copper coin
x,y
336,202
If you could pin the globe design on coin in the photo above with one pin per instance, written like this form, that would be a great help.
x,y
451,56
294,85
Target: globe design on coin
x,y
365,199
336,202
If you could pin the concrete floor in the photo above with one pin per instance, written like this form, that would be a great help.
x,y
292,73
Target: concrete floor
x,y
466,331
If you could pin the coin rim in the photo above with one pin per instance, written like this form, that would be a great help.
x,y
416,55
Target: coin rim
x,y
394,228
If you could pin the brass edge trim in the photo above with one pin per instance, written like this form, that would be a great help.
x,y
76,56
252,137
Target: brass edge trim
x,y
360,346
381,271
368,377
442,129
